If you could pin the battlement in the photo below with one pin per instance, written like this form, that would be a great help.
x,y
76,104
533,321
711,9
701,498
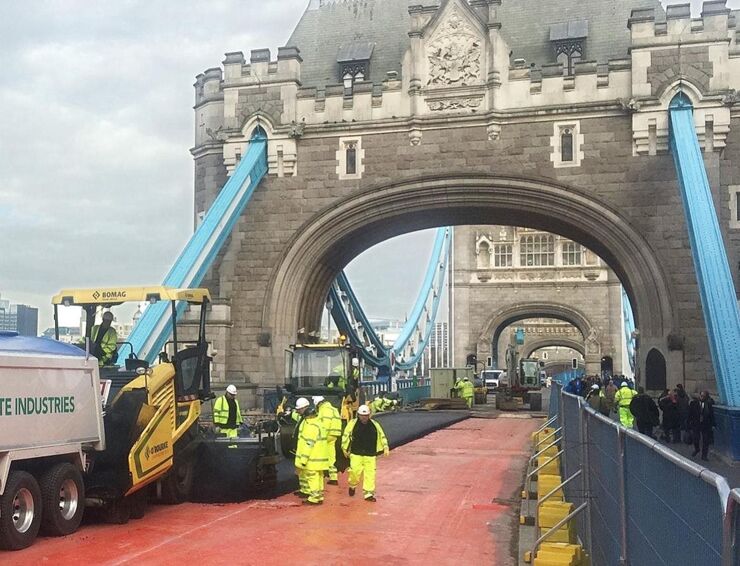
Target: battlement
x,y
679,27
260,70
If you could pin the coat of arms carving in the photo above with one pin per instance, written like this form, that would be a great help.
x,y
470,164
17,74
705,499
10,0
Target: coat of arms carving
x,y
454,54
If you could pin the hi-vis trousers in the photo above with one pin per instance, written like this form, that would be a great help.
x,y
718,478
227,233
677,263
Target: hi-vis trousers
x,y
364,465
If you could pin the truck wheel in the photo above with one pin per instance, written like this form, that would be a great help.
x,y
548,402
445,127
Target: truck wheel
x,y
62,497
177,484
20,511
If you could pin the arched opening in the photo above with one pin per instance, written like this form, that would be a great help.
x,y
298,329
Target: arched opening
x,y
607,366
258,132
324,245
533,348
655,371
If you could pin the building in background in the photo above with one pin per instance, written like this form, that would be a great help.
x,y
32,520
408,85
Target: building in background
x,y
22,319
438,350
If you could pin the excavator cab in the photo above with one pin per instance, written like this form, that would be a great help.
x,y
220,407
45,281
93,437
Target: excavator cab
x,y
151,422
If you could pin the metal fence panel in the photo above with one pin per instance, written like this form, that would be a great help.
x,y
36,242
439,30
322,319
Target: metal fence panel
x,y
603,473
554,407
572,443
673,515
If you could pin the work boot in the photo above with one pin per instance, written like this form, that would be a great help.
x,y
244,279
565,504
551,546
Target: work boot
x,y
300,494
351,491
371,499
333,482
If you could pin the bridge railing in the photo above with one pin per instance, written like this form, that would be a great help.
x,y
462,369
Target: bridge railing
x,y
647,504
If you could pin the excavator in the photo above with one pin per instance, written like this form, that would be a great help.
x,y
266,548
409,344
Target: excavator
x,y
151,422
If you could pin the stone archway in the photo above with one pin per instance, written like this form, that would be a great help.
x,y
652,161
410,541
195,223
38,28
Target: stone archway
x,y
547,342
332,238
488,337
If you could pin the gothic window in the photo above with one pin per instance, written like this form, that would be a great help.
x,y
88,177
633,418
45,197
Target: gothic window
x,y
734,206
568,41
502,255
351,158
354,63
566,145
572,253
537,250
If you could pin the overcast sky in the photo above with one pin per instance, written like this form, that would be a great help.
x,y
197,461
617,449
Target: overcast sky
x,y
96,180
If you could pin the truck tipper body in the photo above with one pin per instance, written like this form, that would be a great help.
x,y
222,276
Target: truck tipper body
x,y
50,419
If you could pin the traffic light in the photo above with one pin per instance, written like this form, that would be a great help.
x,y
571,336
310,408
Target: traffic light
x,y
471,360
542,363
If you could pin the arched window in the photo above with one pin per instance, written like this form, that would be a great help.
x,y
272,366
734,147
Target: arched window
x,y
566,145
259,132
537,250
655,372
351,158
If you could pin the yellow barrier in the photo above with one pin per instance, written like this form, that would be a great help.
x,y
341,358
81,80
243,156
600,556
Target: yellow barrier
x,y
560,554
552,512
546,483
550,468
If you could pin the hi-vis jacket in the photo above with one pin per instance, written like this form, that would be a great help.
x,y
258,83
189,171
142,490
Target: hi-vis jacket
x,y
312,452
329,420
381,444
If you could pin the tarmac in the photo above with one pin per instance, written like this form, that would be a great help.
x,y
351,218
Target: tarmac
x,y
450,497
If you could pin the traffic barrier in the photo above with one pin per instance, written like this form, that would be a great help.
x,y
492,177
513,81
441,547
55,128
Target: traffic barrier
x,y
647,504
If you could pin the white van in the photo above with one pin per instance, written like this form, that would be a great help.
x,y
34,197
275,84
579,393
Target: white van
x,y
492,378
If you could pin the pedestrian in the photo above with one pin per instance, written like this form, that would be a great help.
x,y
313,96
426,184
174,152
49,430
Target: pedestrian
x,y
611,391
682,402
363,441
226,413
332,425
671,420
701,423
645,412
596,400
311,456
622,399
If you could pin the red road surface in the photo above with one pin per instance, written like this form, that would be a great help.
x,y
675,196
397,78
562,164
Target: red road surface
x,y
448,498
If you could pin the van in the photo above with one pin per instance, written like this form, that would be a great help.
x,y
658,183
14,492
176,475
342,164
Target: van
x,y
493,378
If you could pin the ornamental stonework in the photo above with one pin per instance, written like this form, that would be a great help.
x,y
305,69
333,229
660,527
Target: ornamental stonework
x,y
454,55
454,103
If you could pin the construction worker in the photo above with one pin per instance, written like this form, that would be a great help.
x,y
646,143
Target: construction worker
x,y
301,405
465,389
388,403
103,338
622,399
354,381
226,414
377,405
332,425
312,455
362,442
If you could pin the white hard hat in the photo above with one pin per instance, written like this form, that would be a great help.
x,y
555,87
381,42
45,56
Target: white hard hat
x,y
363,410
231,389
317,399
302,403
624,384
355,362
466,377
595,386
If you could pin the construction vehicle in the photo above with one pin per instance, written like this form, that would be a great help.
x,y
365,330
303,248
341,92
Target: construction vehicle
x,y
319,369
64,447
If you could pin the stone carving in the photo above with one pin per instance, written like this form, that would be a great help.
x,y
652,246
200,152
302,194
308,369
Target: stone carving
x,y
217,134
454,103
415,137
296,129
632,105
730,98
494,131
454,54
592,342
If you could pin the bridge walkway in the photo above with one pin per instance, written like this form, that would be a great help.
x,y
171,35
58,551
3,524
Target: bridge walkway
x,y
448,498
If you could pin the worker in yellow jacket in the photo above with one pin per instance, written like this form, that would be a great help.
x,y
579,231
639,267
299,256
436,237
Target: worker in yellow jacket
x,y
622,399
311,456
465,390
362,442
377,405
226,413
332,428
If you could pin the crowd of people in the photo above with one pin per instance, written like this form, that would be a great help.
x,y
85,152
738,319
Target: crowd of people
x,y
678,417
